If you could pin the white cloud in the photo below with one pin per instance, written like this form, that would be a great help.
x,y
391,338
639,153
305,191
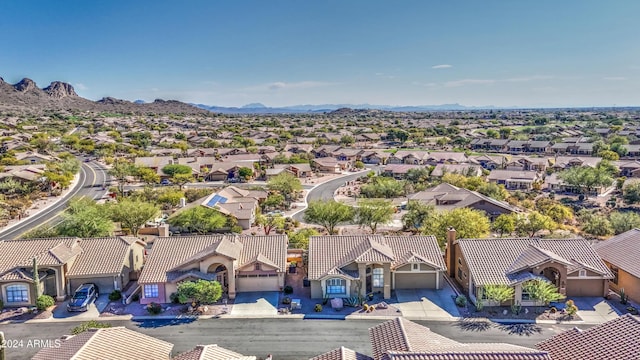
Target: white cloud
x,y
442,66
614,78
463,82
281,85
81,86
431,84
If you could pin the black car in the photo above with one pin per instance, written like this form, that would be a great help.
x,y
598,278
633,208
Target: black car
x,y
84,296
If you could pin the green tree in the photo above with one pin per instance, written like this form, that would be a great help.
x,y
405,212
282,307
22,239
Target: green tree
x,y
270,222
498,293
121,170
529,224
559,213
631,193
542,291
328,214
182,179
169,197
383,187
609,155
469,223
199,291
300,238
132,214
418,175
245,173
84,218
416,215
286,184
373,212
594,224
505,132
273,201
347,140
505,224
198,219
585,179
494,191
624,221
147,175
173,169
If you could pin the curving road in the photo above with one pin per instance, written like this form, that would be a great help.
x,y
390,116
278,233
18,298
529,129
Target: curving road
x,y
92,176
326,190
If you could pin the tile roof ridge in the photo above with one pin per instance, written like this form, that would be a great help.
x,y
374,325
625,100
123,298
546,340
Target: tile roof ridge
x,y
403,331
90,339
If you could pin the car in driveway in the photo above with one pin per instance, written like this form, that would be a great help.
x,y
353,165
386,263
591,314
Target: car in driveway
x,y
85,295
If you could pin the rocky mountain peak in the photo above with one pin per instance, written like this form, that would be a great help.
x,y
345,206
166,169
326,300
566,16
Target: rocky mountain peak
x,y
59,90
25,85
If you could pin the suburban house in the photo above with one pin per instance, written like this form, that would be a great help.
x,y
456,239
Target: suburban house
x,y
297,170
24,173
493,145
448,197
374,157
238,203
572,265
629,168
342,266
399,171
155,163
463,169
326,165
489,162
211,352
112,343
402,339
565,162
614,339
621,254
342,353
555,184
225,171
238,263
64,264
34,157
514,180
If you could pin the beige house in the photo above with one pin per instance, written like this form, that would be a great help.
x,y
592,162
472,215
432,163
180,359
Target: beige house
x,y
343,266
64,264
621,254
572,265
108,343
238,263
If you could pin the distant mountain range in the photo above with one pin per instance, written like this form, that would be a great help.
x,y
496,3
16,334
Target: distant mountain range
x,y
257,108
26,95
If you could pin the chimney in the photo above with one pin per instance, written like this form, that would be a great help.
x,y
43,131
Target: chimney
x,y
450,252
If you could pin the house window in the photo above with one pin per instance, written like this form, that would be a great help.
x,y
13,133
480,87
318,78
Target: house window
x,y
460,261
582,273
378,277
257,267
336,286
415,267
525,294
17,293
460,274
614,271
151,291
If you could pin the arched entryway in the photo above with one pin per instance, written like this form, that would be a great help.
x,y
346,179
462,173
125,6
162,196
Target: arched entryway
x,y
50,283
553,275
221,275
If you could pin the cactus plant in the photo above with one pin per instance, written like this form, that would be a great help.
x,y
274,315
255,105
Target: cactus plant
x,y
623,296
318,308
2,347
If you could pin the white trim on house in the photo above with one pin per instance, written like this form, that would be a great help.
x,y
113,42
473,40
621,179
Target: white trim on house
x,y
586,277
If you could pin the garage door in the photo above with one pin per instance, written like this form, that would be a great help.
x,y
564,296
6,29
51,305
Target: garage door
x,y
270,283
105,284
416,281
585,287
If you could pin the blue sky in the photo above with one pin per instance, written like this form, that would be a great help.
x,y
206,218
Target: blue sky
x,y
230,53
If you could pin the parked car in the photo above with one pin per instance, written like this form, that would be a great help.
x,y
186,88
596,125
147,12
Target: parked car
x,y
85,295
165,182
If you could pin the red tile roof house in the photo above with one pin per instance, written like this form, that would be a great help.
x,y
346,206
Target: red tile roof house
x,y
614,339
109,343
339,265
401,339
621,253
64,264
239,263
572,265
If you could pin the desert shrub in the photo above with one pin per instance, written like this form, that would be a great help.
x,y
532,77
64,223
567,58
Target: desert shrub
x,y
288,289
135,297
570,307
461,301
44,301
365,307
89,325
115,295
154,308
318,308
286,300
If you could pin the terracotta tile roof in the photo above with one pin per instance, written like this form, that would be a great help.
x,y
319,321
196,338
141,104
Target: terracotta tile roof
x,y
401,339
170,253
110,343
341,353
614,339
327,254
623,251
102,256
54,251
492,261
211,352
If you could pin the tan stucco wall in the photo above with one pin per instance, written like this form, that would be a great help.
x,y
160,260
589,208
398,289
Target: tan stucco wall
x,y
630,283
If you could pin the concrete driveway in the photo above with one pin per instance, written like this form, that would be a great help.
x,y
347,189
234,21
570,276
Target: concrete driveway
x,y
255,304
594,310
428,304
60,312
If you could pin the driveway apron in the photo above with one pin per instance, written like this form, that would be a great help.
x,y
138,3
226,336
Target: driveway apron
x,y
255,304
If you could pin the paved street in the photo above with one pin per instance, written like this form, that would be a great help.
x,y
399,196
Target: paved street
x,y
92,176
291,339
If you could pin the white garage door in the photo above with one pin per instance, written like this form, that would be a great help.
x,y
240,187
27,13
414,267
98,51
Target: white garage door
x,y
253,283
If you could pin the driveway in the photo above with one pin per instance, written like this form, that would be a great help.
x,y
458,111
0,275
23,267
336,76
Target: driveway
x,y
594,310
60,312
255,304
428,304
